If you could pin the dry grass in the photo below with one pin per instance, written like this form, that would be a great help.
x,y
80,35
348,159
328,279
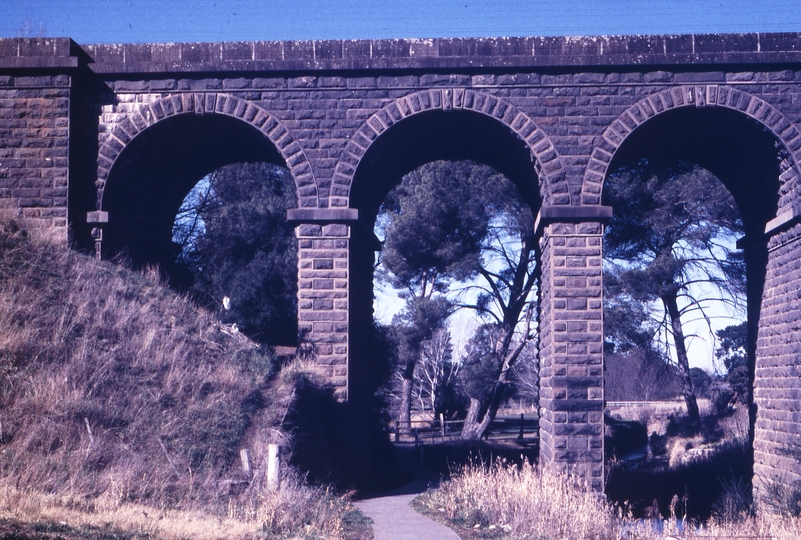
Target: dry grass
x,y
522,502
295,511
509,502
118,395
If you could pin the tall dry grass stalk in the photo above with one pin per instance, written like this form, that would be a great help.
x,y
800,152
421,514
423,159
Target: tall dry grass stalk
x,y
116,392
526,503
523,502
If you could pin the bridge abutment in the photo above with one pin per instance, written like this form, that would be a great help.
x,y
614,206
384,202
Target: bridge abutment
x,y
35,105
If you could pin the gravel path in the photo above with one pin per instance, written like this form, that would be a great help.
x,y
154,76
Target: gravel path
x,y
393,517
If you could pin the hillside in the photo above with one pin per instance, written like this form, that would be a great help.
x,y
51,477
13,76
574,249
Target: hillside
x,y
114,390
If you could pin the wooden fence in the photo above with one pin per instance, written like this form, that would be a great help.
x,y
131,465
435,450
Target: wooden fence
x,y
502,428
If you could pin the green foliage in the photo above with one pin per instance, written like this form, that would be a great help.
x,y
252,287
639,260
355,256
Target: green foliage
x,y
639,374
238,244
482,364
417,322
732,350
462,225
701,381
668,228
627,324
435,223
669,241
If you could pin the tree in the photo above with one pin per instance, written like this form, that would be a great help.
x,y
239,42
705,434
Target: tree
x,y
526,374
417,323
436,372
635,367
668,235
450,222
433,224
239,253
639,374
432,230
733,351
507,278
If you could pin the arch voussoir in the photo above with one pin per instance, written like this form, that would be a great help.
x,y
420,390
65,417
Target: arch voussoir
x,y
149,114
548,163
686,96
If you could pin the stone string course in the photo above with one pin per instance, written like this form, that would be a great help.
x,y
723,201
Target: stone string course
x,y
67,113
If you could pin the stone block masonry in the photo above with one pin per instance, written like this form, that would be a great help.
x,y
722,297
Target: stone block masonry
x,y
349,118
323,297
777,381
34,150
571,350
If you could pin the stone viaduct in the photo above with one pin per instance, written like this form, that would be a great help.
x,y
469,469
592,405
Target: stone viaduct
x,y
100,143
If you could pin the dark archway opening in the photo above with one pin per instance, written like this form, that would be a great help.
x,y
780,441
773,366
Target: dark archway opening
x,y
154,173
146,189
441,135
747,159
407,145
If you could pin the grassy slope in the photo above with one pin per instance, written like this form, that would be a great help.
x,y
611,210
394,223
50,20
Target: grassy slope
x,y
116,391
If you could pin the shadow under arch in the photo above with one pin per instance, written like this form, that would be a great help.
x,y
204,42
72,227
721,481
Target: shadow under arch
x,y
441,135
154,172
749,158
488,112
403,147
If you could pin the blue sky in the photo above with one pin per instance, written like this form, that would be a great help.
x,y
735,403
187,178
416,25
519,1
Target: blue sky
x,y
130,21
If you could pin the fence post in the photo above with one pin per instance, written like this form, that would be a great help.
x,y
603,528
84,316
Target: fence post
x,y
247,468
397,431
442,424
273,466
522,420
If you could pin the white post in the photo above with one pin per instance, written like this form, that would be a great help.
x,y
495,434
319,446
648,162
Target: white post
x,y
244,455
273,466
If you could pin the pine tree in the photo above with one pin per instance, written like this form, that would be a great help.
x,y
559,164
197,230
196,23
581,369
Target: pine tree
x,y
671,231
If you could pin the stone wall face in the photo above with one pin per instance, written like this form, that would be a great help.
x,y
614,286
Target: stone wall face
x,y
582,117
324,105
323,297
34,150
777,383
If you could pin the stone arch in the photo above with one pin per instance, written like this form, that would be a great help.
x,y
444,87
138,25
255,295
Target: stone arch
x,y
209,103
547,162
695,96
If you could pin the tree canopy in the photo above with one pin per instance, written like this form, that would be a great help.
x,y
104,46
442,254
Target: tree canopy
x,y
434,224
672,231
239,253
461,230
733,351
